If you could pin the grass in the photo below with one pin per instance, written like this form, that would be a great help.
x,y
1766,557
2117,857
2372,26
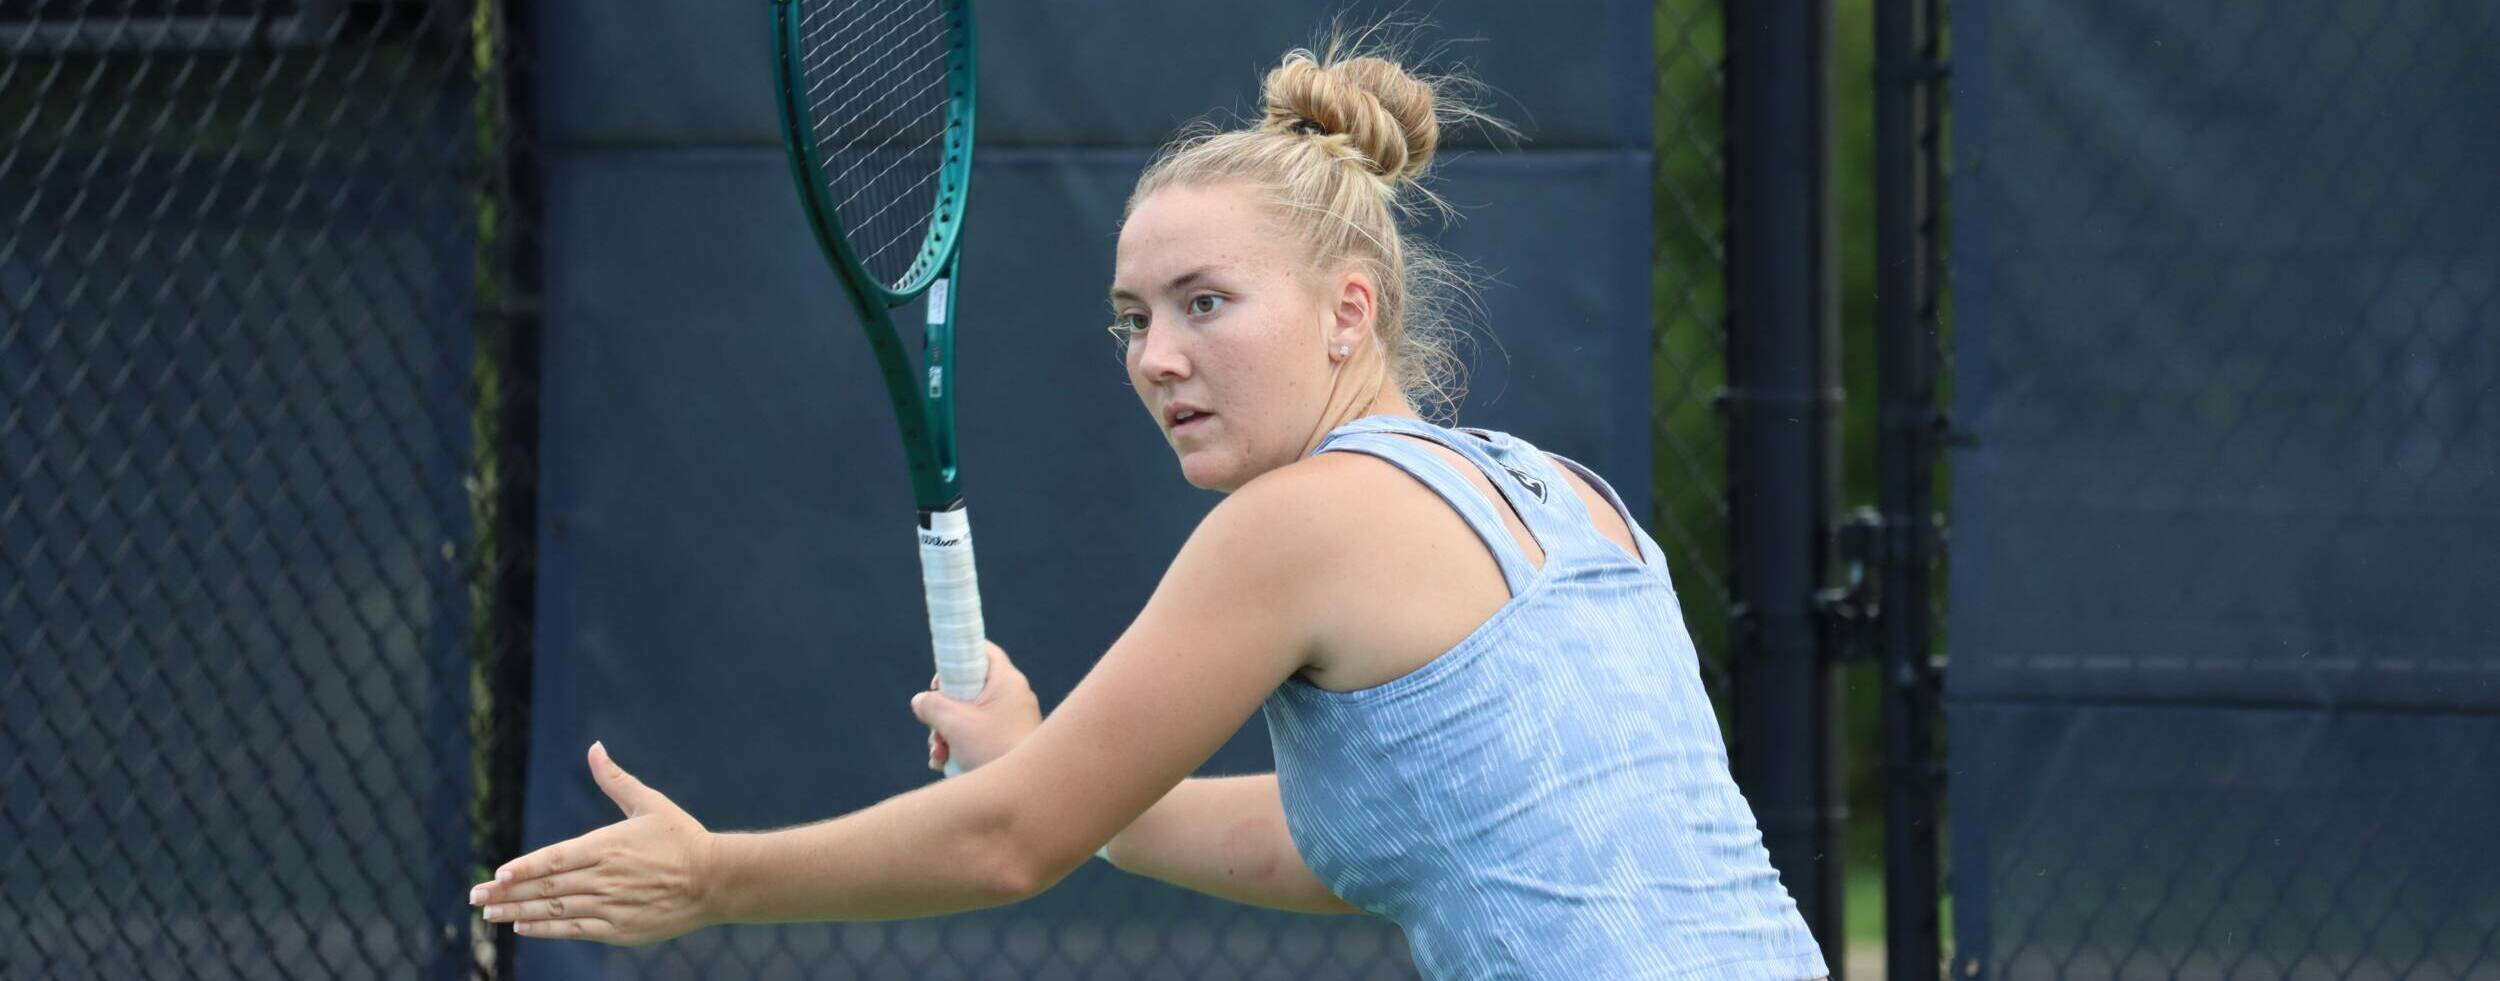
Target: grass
x,y
1863,919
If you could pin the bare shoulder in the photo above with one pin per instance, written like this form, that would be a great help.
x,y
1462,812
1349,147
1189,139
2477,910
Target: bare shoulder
x,y
1391,574
1312,509
1325,495
1271,561
1320,521
1363,511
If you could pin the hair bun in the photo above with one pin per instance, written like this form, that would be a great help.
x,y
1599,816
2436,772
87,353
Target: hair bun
x,y
1383,113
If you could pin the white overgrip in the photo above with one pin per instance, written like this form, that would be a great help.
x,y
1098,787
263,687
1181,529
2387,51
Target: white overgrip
x,y
954,594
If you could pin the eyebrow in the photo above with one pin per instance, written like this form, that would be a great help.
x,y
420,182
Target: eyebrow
x,y
1181,281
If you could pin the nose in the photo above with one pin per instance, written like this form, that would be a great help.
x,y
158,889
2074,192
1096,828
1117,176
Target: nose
x,y
1158,357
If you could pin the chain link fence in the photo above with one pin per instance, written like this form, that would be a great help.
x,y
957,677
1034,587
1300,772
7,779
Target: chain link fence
x,y
1099,923
264,485
1688,300
2227,349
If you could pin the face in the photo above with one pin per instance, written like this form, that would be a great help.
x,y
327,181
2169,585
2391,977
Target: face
x,y
1230,331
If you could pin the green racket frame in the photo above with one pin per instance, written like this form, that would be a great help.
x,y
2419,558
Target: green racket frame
x,y
923,395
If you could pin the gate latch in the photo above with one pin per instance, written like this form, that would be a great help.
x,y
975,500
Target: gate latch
x,y
1850,609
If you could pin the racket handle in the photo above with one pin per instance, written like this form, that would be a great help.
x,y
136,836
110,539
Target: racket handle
x,y
954,602
954,593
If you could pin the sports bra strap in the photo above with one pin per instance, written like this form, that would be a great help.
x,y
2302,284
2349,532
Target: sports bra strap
x,y
1651,555
1529,480
1420,462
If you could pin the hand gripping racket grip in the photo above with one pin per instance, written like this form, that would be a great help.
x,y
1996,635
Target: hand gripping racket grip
x,y
954,593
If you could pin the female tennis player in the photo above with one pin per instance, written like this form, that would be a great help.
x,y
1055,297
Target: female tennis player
x,y
1488,719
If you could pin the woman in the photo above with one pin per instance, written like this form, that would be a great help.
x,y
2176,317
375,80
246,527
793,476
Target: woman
x,y
1488,720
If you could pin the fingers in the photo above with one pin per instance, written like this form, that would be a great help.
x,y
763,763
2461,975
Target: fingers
x,y
577,928
629,794
941,713
537,910
1000,669
563,856
1006,689
561,884
938,749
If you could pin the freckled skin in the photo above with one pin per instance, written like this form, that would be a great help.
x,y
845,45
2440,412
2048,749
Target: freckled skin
x,y
1256,349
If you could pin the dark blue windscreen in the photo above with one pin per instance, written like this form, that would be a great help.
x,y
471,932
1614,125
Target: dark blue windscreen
x,y
2225,565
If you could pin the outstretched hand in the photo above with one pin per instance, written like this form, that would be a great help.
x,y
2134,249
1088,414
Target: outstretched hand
x,y
985,728
633,882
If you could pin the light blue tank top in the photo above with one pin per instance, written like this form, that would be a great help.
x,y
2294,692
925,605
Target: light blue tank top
x,y
1550,798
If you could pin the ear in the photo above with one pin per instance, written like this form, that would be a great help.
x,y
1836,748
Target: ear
x,y
1353,310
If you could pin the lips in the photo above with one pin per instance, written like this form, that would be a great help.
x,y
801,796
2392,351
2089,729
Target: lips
x,y
1179,417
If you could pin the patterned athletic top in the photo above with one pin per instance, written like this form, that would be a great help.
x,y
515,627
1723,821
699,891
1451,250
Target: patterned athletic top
x,y
1550,798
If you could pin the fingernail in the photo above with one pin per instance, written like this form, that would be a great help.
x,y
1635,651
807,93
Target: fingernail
x,y
477,895
494,912
503,875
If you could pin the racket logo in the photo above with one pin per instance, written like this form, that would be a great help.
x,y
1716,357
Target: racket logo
x,y
940,541
936,384
1534,486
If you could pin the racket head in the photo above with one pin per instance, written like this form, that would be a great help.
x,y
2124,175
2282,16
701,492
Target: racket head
x,y
877,108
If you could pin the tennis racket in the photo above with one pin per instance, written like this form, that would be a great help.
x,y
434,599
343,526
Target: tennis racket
x,y
876,111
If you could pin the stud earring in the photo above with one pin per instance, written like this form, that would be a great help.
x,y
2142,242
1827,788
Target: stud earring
x,y
1344,350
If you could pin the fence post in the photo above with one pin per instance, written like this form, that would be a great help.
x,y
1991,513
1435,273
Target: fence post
x,y
508,586
1783,465
1909,267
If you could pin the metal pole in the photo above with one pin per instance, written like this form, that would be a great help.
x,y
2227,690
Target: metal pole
x,y
1782,400
1908,178
512,593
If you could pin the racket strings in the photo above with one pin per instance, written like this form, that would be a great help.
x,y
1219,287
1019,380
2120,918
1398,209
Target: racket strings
x,y
908,230
853,47
836,44
879,124
875,80
899,158
811,37
866,91
870,228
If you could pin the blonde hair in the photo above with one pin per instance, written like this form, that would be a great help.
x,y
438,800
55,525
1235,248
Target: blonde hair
x,y
1343,143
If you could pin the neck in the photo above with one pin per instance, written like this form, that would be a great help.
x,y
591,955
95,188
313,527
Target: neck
x,y
1349,400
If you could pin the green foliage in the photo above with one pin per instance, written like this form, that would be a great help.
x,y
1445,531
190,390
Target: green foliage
x,y
1688,299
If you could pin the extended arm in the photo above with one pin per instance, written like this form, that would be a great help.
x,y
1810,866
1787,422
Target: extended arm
x,y
1223,836
1226,837
1230,622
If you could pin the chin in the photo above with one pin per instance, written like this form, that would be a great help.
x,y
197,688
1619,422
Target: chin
x,y
1210,471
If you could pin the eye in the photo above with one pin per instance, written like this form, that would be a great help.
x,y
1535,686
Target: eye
x,y
1204,304
1125,328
